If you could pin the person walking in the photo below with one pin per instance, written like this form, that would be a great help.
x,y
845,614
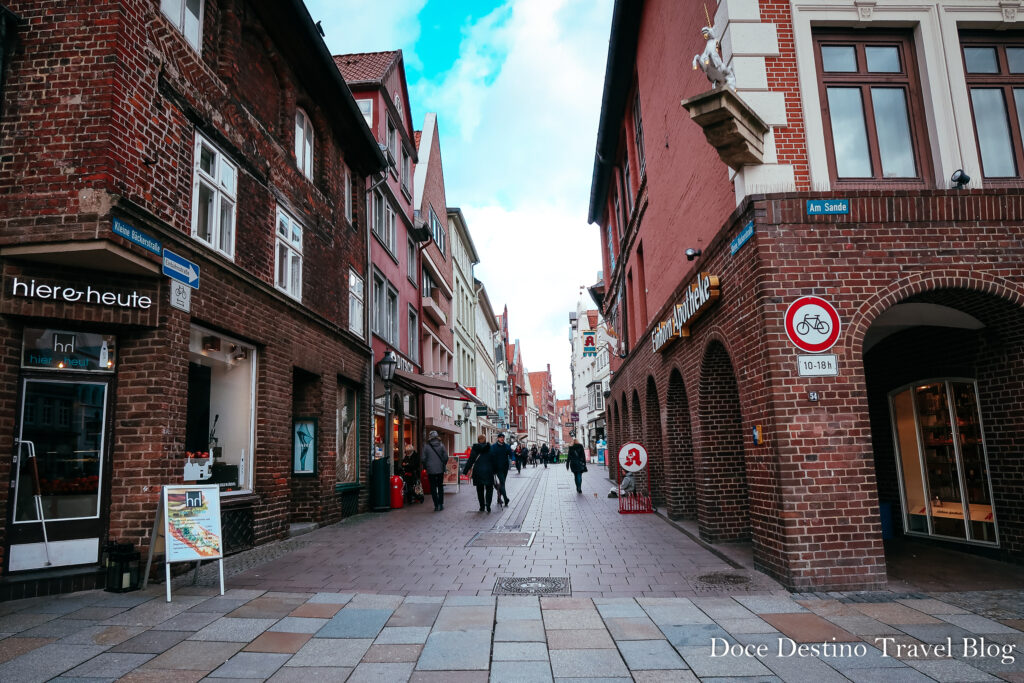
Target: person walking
x,y
519,458
435,460
577,463
500,453
533,454
481,463
544,455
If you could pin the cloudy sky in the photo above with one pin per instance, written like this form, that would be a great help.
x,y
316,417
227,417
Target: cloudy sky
x,y
517,89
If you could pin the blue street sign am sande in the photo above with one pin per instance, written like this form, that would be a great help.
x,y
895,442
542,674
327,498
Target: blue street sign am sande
x,y
825,207
181,269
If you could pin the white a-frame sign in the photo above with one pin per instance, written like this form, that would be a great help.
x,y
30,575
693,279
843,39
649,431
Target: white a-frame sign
x,y
187,529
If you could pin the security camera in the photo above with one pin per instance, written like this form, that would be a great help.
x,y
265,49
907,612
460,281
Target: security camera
x,y
959,179
692,253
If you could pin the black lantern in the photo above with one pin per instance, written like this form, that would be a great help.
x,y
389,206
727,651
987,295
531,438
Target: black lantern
x,y
386,367
121,564
467,410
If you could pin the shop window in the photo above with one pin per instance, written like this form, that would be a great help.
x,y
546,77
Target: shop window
x,y
187,17
214,195
943,467
304,143
289,255
347,438
221,406
994,68
355,304
870,95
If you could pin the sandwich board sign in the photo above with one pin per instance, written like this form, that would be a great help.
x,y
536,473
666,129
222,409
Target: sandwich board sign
x,y
187,529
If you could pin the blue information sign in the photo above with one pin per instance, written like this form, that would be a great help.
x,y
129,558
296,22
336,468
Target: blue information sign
x,y
741,239
181,269
821,207
137,236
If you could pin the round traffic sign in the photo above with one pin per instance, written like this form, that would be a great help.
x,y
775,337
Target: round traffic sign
x,y
812,324
632,457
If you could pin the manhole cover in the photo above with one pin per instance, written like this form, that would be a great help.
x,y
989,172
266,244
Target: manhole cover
x,y
723,579
497,539
532,585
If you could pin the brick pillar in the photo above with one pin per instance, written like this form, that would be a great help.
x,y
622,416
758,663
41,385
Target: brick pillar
x,y
681,496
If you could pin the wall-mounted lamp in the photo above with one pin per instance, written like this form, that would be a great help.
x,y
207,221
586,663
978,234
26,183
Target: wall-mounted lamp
x,y
959,179
239,352
211,343
467,409
692,253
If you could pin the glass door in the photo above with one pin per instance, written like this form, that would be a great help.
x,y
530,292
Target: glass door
x,y
943,469
58,474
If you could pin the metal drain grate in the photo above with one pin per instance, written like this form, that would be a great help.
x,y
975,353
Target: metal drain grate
x,y
532,585
500,539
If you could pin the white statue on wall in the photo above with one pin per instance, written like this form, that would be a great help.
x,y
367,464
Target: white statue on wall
x,y
711,62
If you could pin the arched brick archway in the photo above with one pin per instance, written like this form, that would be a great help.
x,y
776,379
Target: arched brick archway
x,y
653,443
615,440
680,494
989,353
636,433
723,509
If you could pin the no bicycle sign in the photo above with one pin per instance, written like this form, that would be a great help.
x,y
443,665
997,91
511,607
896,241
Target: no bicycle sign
x,y
812,324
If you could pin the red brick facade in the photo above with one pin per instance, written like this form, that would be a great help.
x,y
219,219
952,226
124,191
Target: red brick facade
x,y
808,496
101,107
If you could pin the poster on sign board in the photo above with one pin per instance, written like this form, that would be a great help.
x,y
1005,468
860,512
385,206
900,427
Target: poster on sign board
x,y
192,529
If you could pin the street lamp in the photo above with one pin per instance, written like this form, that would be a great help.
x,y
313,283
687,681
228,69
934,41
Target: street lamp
x,y
467,409
386,369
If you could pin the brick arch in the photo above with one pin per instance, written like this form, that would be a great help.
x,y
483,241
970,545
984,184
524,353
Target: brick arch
x,y
993,356
271,94
636,433
920,283
723,510
681,499
653,443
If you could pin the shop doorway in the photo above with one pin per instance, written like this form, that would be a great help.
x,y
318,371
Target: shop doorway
x,y
59,474
944,373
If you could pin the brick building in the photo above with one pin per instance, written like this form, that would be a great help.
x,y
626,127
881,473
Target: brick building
x,y
129,132
821,184
544,398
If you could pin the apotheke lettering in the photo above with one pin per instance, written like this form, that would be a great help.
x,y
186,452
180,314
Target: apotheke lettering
x,y
697,297
54,292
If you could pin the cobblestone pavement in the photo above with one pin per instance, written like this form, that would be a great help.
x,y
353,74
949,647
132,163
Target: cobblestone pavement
x,y
285,616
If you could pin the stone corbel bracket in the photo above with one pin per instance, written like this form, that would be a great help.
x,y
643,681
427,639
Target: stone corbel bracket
x,y
730,125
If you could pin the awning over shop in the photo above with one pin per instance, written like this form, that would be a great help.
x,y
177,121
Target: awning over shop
x,y
434,385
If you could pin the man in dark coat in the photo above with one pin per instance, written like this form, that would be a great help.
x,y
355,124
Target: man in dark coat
x,y
483,471
577,463
500,453
435,459
544,455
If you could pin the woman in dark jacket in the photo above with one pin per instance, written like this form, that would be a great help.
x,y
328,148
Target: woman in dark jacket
x,y
576,462
483,471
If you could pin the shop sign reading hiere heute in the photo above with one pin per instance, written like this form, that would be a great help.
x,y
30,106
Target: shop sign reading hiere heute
x,y
72,294
697,298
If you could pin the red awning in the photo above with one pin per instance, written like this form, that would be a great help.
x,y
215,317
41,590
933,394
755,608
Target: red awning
x,y
435,385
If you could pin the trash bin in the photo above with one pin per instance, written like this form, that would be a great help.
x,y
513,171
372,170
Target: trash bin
x,y
379,484
121,561
397,490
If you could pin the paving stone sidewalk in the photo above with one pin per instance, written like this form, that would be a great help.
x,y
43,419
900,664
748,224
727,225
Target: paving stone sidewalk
x,y
332,636
668,626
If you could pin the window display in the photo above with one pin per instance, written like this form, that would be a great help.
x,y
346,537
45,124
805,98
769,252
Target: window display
x,y
347,464
221,406
943,467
